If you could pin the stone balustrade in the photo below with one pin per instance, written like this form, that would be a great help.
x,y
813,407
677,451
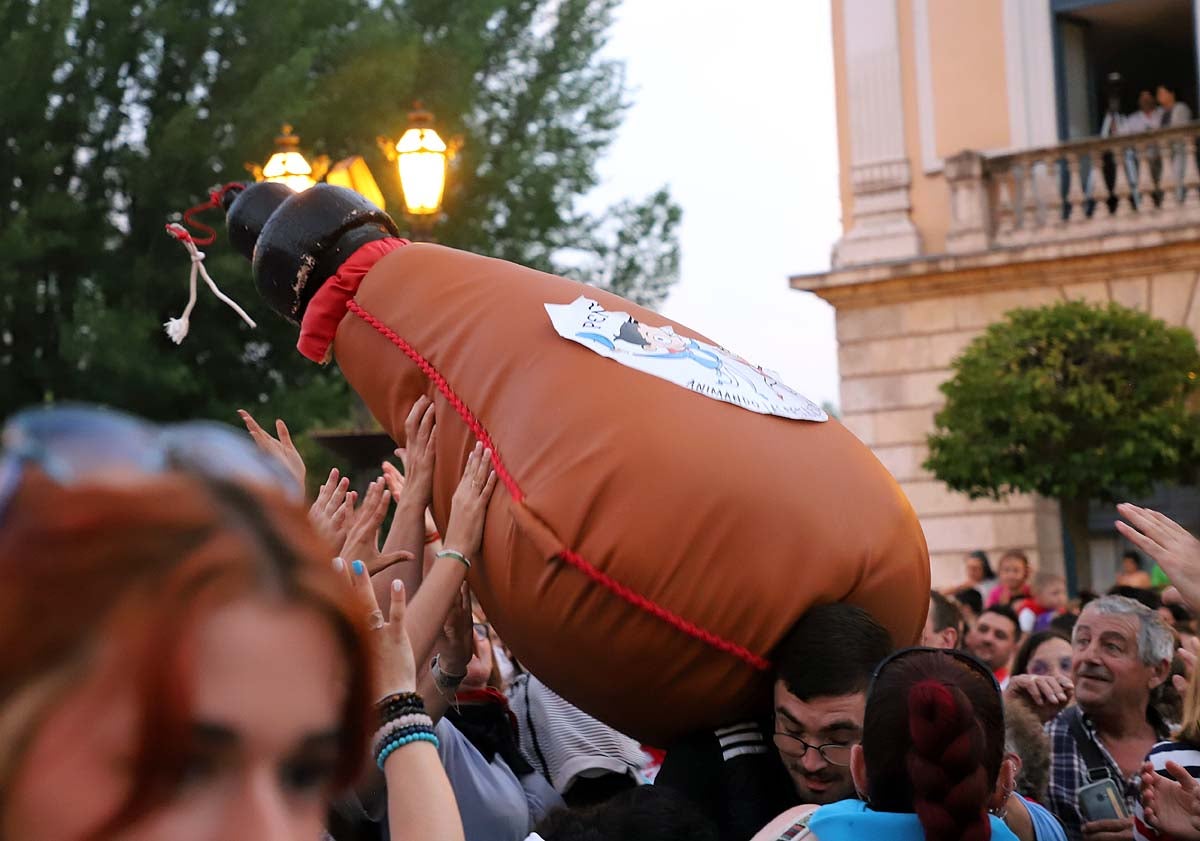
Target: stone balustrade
x,y
1081,189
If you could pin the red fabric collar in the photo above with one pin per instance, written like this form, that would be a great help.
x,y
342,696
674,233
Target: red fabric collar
x,y
328,307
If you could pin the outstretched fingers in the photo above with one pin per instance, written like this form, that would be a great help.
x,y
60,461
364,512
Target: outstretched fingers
x,y
285,435
1140,540
355,572
256,431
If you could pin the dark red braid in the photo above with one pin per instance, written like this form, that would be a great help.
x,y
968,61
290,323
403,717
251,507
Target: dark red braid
x,y
933,742
945,764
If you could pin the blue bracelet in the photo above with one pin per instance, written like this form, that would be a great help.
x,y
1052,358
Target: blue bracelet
x,y
427,736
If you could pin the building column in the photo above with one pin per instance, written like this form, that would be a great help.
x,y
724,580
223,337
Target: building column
x,y
879,169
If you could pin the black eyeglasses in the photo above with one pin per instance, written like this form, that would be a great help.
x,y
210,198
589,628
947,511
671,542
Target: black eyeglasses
x,y
970,660
72,444
832,752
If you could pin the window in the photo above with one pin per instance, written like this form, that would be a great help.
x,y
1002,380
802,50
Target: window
x,y
1108,51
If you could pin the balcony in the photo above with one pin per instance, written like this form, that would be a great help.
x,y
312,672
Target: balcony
x,y
1082,210
1081,197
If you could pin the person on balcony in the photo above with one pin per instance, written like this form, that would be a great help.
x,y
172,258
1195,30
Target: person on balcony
x,y
1148,116
1174,112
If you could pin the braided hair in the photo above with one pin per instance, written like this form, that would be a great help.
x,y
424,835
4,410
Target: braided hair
x,y
933,742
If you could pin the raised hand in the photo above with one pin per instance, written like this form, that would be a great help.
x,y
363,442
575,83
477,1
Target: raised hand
x,y
1168,543
393,477
464,532
362,537
395,485
281,448
457,641
420,438
330,512
397,665
1046,696
1171,806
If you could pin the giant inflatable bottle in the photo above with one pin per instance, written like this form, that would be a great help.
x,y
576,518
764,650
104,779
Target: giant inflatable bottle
x,y
666,510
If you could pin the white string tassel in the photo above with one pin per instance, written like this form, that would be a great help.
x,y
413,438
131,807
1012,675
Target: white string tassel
x,y
177,328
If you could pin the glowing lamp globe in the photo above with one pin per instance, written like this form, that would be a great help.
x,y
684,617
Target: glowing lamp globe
x,y
288,166
421,158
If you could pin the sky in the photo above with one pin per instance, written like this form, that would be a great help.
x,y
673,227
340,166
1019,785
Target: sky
x,y
733,107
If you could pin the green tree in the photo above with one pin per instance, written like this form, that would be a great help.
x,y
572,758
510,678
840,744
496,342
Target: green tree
x,y
1071,401
127,111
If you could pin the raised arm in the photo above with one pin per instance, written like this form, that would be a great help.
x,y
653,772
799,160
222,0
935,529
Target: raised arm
x,y
421,804
464,535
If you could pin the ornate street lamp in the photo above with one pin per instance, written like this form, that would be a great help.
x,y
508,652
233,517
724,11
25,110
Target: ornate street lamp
x,y
421,157
288,166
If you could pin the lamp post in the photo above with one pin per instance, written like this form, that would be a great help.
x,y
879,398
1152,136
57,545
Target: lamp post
x,y
421,157
288,166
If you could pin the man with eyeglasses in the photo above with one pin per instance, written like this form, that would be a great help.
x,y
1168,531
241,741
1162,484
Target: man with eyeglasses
x,y
746,774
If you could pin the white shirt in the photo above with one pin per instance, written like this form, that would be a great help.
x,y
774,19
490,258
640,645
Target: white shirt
x,y
1140,121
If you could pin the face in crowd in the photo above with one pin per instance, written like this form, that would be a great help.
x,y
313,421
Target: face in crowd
x,y
1109,669
1012,572
814,739
947,637
259,760
992,639
823,669
974,568
1053,658
1053,595
204,677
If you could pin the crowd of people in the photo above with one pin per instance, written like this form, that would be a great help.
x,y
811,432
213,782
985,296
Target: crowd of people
x,y
1161,108
194,651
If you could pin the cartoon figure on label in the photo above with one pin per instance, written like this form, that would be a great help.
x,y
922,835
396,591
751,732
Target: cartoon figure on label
x,y
664,342
705,368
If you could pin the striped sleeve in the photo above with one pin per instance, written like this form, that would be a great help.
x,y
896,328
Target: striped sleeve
x,y
1181,753
740,740
567,743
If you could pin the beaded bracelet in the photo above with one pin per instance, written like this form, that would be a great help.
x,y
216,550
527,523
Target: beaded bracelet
x,y
407,740
414,697
458,556
384,732
398,702
403,720
398,734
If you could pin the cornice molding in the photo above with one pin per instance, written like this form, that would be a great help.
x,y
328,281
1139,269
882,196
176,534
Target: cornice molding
x,y
1046,264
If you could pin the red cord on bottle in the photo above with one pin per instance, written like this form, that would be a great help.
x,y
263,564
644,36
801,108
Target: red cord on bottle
x,y
214,200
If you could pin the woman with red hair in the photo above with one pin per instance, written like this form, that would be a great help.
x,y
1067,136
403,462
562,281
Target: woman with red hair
x,y
930,758
179,659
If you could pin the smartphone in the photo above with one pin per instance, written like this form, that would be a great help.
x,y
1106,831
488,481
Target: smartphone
x,y
1101,801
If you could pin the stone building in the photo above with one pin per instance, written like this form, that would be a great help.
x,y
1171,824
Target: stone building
x,y
983,168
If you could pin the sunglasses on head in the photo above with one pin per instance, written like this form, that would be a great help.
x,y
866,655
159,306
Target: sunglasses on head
x,y
76,444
